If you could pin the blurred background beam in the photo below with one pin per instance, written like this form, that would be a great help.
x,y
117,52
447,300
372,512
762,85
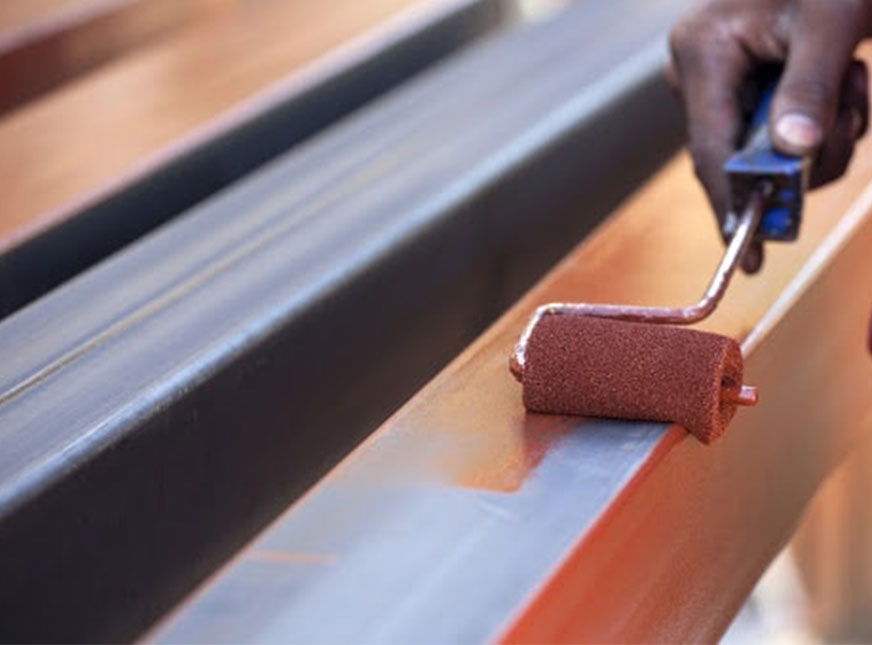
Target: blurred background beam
x,y
108,158
45,43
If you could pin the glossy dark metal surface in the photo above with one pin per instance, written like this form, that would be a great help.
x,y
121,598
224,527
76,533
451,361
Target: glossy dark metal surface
x,y
160,408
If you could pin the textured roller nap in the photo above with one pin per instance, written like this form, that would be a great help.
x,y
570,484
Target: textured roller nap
x,y
604,368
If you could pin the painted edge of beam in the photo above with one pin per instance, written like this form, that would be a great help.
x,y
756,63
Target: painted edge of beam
x,y
859,211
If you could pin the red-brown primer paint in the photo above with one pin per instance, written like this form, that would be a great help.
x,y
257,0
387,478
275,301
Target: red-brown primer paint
x,y
608,368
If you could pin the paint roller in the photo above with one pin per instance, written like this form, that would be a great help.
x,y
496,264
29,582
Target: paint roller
x,y
643,363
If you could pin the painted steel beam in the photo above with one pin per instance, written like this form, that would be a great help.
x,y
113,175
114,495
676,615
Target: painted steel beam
x,y
45,43
179,129
463,519
159,409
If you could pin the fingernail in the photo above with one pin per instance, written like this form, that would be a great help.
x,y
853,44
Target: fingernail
x,y
799,131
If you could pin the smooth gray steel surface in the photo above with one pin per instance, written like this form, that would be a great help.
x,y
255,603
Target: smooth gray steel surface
x,y
410,562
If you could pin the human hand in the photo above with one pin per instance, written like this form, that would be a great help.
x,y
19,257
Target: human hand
x,y
821,105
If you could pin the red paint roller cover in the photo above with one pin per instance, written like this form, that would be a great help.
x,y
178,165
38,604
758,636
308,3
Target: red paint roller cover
x,y
596,367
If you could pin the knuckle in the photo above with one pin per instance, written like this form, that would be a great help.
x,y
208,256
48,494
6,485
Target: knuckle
x,y
848,13
705,38
810,91
704,162
683,39
694,34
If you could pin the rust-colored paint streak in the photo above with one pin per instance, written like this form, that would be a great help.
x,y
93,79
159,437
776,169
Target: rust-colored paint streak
x,y
292,557
512,461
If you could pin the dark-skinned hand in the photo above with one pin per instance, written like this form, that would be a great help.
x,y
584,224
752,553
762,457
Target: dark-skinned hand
x,y
821,104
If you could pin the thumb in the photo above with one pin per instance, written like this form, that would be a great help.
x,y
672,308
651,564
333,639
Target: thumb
x,y
806,103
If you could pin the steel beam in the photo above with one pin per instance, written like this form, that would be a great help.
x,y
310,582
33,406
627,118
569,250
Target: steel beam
x,y
463,519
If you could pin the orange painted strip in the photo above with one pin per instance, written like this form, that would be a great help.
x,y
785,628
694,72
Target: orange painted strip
x,y
78,144
48,42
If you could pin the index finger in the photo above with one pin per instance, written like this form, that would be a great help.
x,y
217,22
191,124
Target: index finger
x,y
711,67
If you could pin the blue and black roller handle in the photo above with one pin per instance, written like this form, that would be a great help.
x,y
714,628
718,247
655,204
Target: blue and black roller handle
x,y
758,166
